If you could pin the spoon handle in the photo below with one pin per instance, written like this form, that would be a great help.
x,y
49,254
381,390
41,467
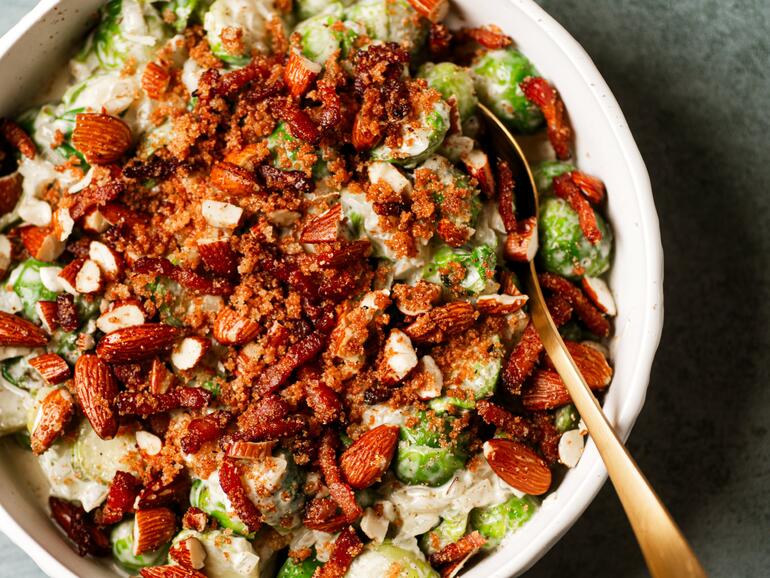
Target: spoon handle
x,y
665,549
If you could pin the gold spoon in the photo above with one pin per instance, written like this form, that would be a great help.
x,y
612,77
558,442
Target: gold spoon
x,y
665,549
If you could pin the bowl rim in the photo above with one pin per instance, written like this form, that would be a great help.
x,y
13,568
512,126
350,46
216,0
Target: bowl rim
x,y
631,404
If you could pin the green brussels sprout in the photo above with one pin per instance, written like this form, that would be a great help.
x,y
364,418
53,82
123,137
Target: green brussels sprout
x,y
547,171
227,555
208,496
457,200
305,9
284,148
65,343
479,381
494,522
479,264
427,454
388,560
304,569
122,540
450,529
564,249
170,299
322,35
417,143
185,12
18,372
571,331
566,418
452,80
498,74
248,16
14,409
390,21
27,284
97,459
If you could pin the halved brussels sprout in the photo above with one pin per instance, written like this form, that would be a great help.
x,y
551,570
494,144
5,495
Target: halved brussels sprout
x,y
389,560
185,11
450,529
305,9
498,74
97,459
325,33
547,171
304,569
227,555
122,540
417,142
478,263
564,249
452,81
494,522
250,16
208,496
566,418
18,372
27,284
390,21
15,405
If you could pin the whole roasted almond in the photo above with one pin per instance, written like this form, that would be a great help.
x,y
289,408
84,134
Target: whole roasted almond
x,y
500,304
545,390
324,228
366,460
137,342
299,73
155,80
230,178
51,367
590,362
251,450
218,257
170,572
230,328
152,529
20,332
96,389
518,466
54,414
101,138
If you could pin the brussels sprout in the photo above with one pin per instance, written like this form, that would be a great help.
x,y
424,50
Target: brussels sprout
x,y
247,15
185,11
427,454
304,569
451,529
566,418
170,299
324,34
547,171
457,200
65,343
305,9
388,560
452,80
498,74
27,284
477,371
97,459
66,478
122,539
564,249
479,265
390,21
420,142
208,496
284,148
494,522
227,555
571,331
15,404
18,372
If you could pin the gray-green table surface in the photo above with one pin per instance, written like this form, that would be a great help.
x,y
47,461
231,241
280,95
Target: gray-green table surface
x,y
693,78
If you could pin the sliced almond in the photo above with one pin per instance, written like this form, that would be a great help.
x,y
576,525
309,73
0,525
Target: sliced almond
x,y
477,164
433,10
431,379
251,450
521,245
120,316
518,466
55,412
149,443
137,342
15,331
41,243
230,328
89,278
109,262
160,377
399,356
62,223
188,352
96,390
51,367
47,311
95,222
155,80
221,215
598,292
68,275
324,228
232,179
189,553
382,172
152,529
364,462
218,257
571,446
102,138
299,73
500,304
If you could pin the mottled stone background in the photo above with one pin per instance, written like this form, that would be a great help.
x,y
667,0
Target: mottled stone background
x,y
693,79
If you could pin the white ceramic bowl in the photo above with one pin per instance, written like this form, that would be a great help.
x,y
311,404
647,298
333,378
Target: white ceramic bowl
x,y
38,46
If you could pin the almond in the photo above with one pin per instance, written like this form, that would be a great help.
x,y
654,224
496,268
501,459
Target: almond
x,y
101,138
109,262
433,10
188,352
62,224
571,445
152,529
545,390
218,257
590,362
5,255
399,357
369,457
230,328
366,131
52,418
96,390
41,242
47,311
51,367
249,156
431,379
441,322
324,228
500,304
155,80
170,572
137,342
95,222
477,164
599,293
160,377
89,278
382,172
521,245
251,450
299,73
120,316
221,215
149,443
232,179
10,191
15,331
592,188
68,276
518,466
189,553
